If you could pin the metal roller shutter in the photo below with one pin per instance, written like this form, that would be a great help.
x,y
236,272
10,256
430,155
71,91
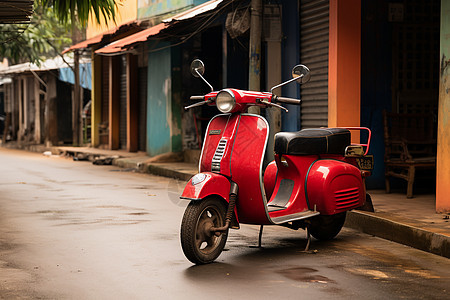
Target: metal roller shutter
x,y
123,103
103,131
142,108
314,40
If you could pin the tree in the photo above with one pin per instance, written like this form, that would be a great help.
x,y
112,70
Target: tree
x,y
40,39
43,37
79,10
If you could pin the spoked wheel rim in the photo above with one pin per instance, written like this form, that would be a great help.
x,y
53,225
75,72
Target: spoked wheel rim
x,y
200,244
205,239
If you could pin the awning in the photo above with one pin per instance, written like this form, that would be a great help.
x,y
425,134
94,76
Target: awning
x,y
132,25
86,43
119,46
47,65
5,80
16,11
67,75
195,11
141,36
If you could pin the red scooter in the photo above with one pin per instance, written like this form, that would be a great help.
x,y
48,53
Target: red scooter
x,y
317,175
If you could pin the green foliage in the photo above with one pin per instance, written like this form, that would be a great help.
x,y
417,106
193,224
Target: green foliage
x,y
42,38
49,31
79,10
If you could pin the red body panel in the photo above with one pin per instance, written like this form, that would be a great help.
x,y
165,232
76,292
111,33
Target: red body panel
x,y
294,168
241,161
270,178
335,186
214,133
246,169
213,184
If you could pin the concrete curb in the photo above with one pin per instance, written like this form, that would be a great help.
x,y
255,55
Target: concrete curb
x,y
130,163
399,230
162,170
30,148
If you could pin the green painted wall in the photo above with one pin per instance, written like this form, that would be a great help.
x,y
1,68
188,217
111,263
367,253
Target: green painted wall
x,y
149,9
159,101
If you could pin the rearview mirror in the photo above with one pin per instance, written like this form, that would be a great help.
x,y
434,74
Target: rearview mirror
x,y
301,72
197,68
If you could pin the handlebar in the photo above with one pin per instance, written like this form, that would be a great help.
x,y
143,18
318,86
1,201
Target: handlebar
x,y
197,97
252,97
288,100
198,103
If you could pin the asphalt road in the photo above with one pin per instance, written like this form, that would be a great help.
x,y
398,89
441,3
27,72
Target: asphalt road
x,y
72,230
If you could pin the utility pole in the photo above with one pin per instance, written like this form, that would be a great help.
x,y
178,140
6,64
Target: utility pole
x,y
254,74
76,101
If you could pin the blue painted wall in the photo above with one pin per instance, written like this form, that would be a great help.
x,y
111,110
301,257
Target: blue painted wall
x,y
290,57
159,101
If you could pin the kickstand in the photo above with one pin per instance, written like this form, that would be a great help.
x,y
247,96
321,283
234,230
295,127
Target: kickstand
x,y
259,237
308,235
308,243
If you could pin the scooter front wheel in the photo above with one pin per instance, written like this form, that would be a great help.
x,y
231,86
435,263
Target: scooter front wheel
x,y
200,245
327,227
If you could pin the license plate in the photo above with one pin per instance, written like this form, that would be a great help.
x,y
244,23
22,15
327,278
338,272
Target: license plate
x,y
365,163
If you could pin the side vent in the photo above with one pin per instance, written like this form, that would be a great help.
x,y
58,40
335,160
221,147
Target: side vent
x,y
346,199
218,155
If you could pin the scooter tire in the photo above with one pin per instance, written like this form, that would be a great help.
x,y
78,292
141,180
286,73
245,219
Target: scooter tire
x,y
199,245
325,228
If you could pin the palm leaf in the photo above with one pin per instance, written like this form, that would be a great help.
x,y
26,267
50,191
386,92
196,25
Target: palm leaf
x,y
80,10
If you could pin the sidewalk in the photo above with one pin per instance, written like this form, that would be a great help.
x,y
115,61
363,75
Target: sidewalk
x,y
411,222
129,160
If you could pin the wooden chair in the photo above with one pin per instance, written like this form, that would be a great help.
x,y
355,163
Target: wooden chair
x,y
410,143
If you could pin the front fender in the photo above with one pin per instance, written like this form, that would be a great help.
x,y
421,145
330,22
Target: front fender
x,y
206,184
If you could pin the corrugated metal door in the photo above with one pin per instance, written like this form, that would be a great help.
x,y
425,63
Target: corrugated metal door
x,y
123,103
103,128
314,40
142,94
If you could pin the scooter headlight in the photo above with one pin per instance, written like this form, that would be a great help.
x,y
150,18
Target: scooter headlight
x,y
200,177
225,101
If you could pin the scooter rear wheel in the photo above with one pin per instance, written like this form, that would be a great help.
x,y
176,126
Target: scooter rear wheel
x,y
327,227
200,245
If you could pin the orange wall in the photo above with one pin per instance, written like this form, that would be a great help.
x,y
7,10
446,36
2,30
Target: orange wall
x,y
126,11
443,148
344,79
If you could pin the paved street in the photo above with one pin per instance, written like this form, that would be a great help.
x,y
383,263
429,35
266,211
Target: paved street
x,y
72,230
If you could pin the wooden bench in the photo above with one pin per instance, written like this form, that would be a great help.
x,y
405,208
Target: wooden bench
x,y
410,143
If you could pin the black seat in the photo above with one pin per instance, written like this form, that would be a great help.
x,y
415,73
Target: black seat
x,y
313,141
